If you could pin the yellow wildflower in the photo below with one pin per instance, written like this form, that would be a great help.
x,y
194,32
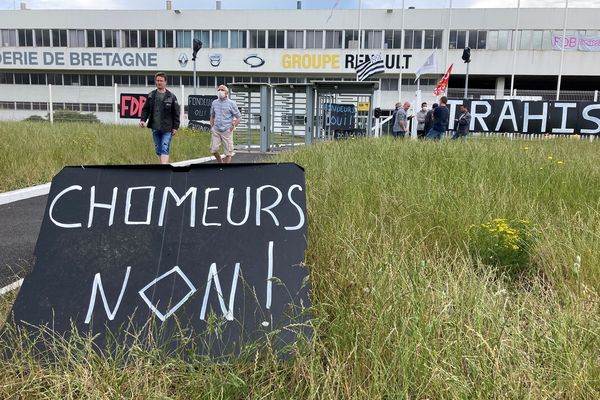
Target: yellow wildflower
x,y
560,162
549,157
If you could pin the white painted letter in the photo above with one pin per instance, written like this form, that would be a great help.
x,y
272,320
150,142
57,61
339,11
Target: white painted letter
x,y
563,123
269,275
588,117
128,205
543,117
152,307
229,206
98,284
300,213
206,208
267,209
178,201
110,206
508,106
58,196
212,275
480,116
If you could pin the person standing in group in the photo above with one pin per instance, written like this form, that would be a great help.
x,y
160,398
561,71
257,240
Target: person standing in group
x,y
429,119
224,117
462,123
421,114
394,116
440,120
401,120
161,111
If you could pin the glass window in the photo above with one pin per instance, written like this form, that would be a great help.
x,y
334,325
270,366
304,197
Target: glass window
x,y
94,38
7,105
204,37
220,39
547,40
111,38
184,39
147,38
536,40
452,39
238,39
525,40
351,39
504,40
492,40
87,80
22,79
54,79
105,107
137,80
481,39
38,105
373,39
71,79
73,106
122,80
42,37
260,79
9,37
76,38
25,37
461,39
333,39
392,39
23,105
295,39
206,81
413,39
165,39
59,38
104,80
276,39
314,39
7,78
129,38
38,79
88,107
258,39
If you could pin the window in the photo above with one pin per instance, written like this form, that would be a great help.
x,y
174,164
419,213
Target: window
x,y
9,37
22,79
87,80
59,38
478,39
206,81
165,38
105,107
25,37
23,105
457,40
204,37
147,38
7,105
104,80
42,37
260,79
72,106
258,39
76,38
150,80
241,79
547,40
220,39
333,39
536,40
314,39
295,39
38,79
94,38
7,78
112,38
433,39
525,40
413,39
174,80
71,79
183,39
187,80
504,40
275,80
54,79
373,39
38,105
276,39
297,80
88,107
351,39
122,80
129,38
238,39
137,80
393,40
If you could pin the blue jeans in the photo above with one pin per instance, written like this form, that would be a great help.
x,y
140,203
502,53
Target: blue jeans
x,y
398,134
162,142
459,135
433,134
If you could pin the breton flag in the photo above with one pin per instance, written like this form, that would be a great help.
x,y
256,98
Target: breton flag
x,y
429,65
442,85
373,65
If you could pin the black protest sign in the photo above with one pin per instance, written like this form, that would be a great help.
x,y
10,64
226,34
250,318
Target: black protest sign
x,y
338,116
131,104
120,246
589,122
199,107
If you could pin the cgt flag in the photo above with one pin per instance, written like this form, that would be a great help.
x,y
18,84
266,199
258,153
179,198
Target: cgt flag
x,y
442,85
373,65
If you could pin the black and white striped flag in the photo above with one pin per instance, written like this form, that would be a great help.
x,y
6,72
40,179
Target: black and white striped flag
x,y
373,65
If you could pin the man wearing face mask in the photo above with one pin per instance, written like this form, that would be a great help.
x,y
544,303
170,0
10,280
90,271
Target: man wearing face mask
x,y
224,117
421,114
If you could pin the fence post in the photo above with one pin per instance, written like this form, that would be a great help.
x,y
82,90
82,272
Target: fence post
x,y
183,103
50,103
116,104
595,95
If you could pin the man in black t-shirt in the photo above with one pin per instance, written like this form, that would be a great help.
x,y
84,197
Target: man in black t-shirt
x,y
440,120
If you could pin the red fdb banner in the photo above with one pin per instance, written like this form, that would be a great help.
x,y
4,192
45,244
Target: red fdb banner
x,y
442,85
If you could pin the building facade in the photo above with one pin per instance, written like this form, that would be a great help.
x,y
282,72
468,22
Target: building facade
x,y
83,59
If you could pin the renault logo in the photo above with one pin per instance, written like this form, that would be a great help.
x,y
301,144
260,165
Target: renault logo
x,y
254,61
183,60
215,59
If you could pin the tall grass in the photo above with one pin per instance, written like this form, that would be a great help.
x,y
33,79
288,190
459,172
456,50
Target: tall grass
x,y
402,307
32,153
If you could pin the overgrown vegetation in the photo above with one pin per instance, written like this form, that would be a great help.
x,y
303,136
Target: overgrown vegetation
x,y
404,305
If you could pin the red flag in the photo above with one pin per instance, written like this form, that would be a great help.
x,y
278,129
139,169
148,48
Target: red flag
x,y
442,85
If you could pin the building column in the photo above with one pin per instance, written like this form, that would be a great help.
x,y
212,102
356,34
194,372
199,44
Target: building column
x,y
500,87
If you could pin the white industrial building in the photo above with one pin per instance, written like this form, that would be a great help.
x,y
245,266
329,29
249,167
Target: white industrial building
x,y
83,59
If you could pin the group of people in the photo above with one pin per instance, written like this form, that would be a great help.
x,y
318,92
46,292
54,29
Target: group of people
x,y
433,123
161,114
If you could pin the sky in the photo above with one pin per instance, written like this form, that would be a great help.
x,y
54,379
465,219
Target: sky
x,y
279,4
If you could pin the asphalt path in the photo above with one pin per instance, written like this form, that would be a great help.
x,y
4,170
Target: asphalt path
x,y
20,224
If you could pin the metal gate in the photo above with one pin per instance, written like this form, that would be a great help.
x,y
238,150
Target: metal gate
x,y
292,104
248,98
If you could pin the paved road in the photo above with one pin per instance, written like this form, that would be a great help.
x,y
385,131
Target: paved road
x,y
20,224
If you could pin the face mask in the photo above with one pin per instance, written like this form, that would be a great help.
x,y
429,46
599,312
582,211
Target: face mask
x,y
424,108
221,94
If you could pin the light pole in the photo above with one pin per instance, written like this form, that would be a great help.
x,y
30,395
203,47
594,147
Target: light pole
x,y
466,56
197,46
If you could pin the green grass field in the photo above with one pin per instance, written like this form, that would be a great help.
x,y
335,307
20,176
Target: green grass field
x,y
439,271
32,153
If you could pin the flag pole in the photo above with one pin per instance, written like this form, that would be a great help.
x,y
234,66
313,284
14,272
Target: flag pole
x,y
562,50
401,55
512,76
359,34
448,40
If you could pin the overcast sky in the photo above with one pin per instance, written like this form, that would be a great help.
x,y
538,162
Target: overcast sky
x,y
266,4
